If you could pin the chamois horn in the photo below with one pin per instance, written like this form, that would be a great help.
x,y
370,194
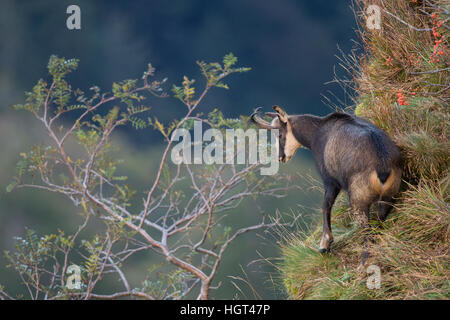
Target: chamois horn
x,y
259,121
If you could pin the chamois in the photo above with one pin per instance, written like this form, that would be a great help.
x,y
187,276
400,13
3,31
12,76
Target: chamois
x,y
350,153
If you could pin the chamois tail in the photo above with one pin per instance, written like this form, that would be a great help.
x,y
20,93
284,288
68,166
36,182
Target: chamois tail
x,y
381,182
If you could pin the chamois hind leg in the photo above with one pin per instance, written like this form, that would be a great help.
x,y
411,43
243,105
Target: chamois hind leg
x,y
384,207
361,210
331,192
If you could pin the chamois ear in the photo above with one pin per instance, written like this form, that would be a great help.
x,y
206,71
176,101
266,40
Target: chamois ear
x,y
282,115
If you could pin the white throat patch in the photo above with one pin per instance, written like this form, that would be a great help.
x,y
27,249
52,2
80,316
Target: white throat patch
x,y
291,144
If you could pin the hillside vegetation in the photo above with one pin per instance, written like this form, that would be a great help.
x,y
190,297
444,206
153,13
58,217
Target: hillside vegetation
x,y
401,83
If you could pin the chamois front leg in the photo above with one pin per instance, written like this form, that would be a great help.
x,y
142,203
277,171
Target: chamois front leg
x,y
331,192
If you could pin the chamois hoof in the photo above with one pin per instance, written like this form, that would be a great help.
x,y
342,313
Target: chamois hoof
x,y
360,269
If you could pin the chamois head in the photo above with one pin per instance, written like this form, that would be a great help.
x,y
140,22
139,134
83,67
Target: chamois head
x,y
288,144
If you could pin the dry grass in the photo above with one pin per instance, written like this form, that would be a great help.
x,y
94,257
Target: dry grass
x,y
399,87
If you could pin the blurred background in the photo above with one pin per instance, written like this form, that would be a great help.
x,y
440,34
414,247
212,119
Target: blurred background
x,y
290,45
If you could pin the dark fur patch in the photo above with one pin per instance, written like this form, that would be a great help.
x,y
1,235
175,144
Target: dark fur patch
x,y
383,176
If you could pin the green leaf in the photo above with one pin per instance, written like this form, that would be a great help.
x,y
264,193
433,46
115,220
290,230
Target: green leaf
x,y
178,92
229,60
60,67
11,186
76,107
